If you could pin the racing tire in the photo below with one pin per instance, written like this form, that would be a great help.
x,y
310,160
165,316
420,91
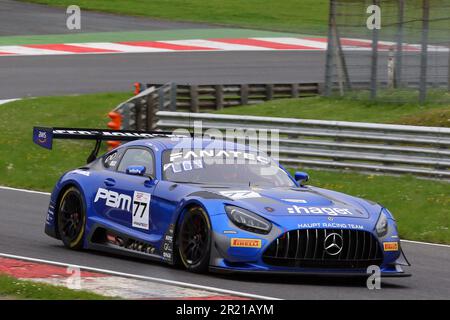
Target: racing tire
x,y
71,221
194,240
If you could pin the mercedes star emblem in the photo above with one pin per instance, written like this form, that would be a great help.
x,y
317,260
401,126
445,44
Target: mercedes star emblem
x,y
333,244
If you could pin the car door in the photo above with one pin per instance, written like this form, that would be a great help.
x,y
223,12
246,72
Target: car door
x,y
127,194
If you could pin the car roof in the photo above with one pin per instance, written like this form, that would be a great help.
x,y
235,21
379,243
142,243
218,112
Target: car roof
x,y
187,142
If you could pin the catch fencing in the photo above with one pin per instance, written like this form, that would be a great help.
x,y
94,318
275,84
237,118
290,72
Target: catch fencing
x,y
400,48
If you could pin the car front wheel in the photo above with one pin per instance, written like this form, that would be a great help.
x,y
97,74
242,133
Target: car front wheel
x,y
194,240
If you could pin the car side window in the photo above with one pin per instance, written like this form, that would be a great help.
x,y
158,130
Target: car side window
x,y
137,157
111,160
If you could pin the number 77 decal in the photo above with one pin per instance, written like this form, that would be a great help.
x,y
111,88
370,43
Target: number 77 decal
x,y
141,210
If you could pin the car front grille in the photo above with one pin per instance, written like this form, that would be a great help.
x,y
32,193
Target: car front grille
x,y
306,248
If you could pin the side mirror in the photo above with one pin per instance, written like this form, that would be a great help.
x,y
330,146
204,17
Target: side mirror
x,y
301,177
135,170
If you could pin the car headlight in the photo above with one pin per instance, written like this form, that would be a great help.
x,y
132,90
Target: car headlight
x,y
248,220
382,223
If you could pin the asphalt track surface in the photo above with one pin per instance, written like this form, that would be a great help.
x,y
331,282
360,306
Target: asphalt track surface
x,y
19,18
43,75
56,75
77,74
21,233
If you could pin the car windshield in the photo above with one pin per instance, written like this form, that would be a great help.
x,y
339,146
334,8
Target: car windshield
x,y
223,167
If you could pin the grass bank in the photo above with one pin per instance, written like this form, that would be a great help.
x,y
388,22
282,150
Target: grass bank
x,y
420,206
26,165
434,113
305,16
12,288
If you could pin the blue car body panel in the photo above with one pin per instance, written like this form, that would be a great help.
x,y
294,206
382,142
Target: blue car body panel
x,y
291,210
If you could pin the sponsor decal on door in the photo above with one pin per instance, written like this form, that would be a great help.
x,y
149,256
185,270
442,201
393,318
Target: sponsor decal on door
x,y
141,210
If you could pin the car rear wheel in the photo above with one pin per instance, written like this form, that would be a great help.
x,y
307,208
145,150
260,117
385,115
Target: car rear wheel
x,y
72,218
194,240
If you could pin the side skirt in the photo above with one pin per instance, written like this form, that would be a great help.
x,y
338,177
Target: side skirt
x,y
110,241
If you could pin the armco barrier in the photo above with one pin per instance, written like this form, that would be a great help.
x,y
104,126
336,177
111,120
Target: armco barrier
x,y
204,97
366,147
369,147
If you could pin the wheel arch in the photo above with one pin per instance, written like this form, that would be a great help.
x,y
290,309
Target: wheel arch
x,y
186,206
62,189
192,203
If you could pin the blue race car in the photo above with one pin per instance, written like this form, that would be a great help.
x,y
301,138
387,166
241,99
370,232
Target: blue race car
x,y
211,205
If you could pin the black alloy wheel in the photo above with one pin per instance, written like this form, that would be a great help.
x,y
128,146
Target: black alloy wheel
x,y
194,240
72,218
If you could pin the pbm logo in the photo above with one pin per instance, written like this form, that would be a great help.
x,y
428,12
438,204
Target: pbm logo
x,y
113,199
333,244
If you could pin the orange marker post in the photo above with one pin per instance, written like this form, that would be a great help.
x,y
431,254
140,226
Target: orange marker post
x,y
115,124
137,88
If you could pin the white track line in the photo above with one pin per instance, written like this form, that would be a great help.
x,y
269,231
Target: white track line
x,y
315,45
121,48
217,45
26,51
8,100
24,190
47,194
134,276
427,243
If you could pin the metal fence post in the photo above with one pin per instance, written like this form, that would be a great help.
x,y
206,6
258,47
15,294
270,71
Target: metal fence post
x,y
138,115
294,90
173,96
161,97
330,50
151,109
126,116
374,60
244,94
194,98
399,50
219,97
269,91
424,51
448,83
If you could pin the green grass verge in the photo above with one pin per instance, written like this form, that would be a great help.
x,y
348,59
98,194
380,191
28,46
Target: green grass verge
x,y
434,113
12,288
306,16
302,16
420,206
26,165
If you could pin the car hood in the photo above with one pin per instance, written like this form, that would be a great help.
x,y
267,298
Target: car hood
x,y
296,201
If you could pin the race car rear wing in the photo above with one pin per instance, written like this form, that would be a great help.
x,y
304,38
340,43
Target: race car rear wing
x,y
43,136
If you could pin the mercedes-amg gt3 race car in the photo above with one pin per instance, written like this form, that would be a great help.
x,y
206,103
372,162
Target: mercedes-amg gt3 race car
x,y
209,205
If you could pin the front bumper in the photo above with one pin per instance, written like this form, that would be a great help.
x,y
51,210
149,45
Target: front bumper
x,y
252,251
315,273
